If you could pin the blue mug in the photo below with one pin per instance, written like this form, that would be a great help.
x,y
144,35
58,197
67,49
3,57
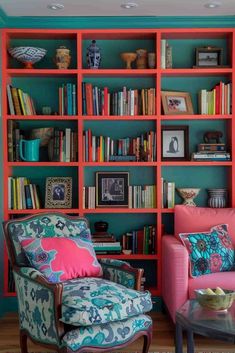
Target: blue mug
x,y
29,150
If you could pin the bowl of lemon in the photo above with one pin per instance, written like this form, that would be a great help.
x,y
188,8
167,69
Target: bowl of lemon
x,y
215,299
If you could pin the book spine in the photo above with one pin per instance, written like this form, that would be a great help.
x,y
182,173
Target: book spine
x,y
10,100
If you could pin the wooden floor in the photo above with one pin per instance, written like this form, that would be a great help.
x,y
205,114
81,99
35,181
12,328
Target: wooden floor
x,y
163,338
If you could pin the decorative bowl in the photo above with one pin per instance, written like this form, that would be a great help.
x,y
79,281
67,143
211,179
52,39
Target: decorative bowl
x,y
215,302
126,252
128,58
188,194
27,55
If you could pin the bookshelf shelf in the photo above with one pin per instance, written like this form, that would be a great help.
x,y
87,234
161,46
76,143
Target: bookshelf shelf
x,y
42,85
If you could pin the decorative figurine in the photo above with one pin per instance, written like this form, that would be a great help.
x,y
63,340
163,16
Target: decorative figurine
x,y
62,58
93,56
212,136
142,59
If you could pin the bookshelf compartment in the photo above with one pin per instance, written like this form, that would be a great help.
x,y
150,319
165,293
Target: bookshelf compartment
x,y
198,177
111,49
38,176
50,43
192,85
188,47
44,91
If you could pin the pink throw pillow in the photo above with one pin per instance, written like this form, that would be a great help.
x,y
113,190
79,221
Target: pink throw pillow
x,y
61,259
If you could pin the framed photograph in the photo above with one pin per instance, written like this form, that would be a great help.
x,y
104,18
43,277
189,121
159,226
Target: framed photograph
x,y
112,189
174,103
208,57
175,143
58,192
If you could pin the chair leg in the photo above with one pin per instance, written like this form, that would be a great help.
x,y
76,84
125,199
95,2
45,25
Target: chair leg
x,y
147,341
23,342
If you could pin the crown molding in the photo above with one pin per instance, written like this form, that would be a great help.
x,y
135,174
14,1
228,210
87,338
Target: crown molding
x,y
117,22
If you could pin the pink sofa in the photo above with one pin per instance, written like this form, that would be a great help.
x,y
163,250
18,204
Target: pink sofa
x,y
177,286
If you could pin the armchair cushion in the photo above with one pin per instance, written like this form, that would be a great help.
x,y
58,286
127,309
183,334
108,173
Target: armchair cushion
x,y
92,301
210,251
106,335
61,259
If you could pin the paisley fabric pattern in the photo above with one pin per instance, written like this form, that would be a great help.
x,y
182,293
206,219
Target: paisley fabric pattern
x,y
107,335
36,309
60,259
44,226
92,301
113,270
209,252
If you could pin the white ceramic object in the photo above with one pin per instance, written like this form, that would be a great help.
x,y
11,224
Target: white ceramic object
x,y
188,195
27,55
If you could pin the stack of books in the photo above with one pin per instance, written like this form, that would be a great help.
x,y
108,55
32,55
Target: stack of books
x,y
19,102
211,152
140,241
22,194
68,99
105,243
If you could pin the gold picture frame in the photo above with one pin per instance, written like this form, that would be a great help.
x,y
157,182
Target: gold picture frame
x,y
58,192
176,103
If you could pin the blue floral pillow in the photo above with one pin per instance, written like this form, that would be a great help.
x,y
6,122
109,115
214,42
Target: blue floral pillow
x,y
210,251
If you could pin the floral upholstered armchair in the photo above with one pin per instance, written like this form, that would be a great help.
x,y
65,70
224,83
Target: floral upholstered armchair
x,y
86,307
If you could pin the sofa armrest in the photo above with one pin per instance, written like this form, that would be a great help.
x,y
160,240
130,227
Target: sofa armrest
x,y
39,305
175,269
122,272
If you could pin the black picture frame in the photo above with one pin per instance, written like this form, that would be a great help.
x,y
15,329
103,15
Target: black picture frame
x,y
175,142
209,57
112,189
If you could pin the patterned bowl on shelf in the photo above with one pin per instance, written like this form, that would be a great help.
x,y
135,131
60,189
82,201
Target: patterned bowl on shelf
x,y
27,55
188,195
213,301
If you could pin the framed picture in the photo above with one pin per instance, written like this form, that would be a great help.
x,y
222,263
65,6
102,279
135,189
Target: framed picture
x,y
112,189
58,192
174,103
208,57
175,143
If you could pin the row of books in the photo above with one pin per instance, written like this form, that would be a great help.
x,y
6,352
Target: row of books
x,y
216,101
22,194
19,102
105,149
99,101
108,248
13,141
140,241
142,196
167,193
68,99
65,147
166,55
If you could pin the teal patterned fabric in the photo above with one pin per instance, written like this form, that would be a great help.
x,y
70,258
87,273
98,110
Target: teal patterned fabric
x,y
107,335
209,252
113,271
93,301
36,308
49,225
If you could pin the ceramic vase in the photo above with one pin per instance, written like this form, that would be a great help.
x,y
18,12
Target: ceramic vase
x,y
217,198
93,56
62,58
142,59
188,195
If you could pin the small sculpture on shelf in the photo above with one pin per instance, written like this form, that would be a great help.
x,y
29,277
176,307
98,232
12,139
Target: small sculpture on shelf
x,y
188,195
128,58
62,58
93,56
212,136
142,59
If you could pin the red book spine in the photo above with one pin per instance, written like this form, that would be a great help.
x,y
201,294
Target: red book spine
x,y
106,101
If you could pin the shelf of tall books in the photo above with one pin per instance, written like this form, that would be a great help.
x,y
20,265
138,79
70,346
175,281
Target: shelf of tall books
x,y
116,134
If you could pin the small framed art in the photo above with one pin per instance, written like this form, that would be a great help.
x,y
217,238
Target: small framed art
x,y
174,103
112,189
58,192
175,143
208,57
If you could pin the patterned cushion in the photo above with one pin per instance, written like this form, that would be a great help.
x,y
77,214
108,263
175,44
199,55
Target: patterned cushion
x,y
107,335
60,259
43,226
91,301
210,251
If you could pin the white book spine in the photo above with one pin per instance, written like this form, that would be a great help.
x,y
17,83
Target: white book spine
x,y
163,53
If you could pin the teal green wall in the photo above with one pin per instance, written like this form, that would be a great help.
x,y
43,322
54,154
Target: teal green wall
x,y
9,304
